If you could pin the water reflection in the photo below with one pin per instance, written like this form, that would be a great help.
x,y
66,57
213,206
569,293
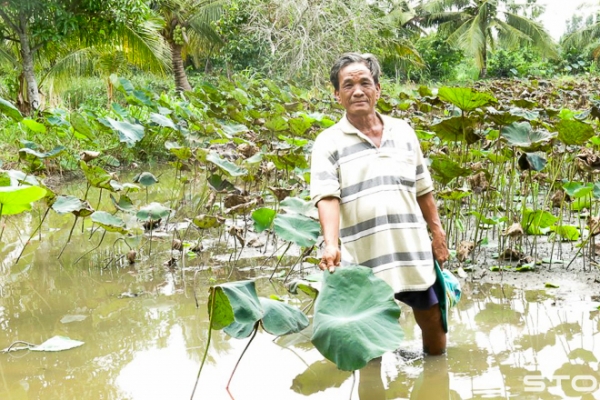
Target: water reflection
x,y
144,337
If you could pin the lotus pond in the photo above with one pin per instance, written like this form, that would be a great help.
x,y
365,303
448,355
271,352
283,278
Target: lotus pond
x,y
145,326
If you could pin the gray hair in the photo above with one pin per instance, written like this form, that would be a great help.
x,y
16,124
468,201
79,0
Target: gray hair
x,y
350,58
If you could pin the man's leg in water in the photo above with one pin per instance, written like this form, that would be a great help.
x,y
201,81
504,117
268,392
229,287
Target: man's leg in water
x,y
430,322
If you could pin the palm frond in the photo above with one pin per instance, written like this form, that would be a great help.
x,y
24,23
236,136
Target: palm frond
x,y
510,35
540,37
76,63
143,46
437,6
583,36
200,21
7,58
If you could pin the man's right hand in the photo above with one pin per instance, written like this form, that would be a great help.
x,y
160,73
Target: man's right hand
x,y
330,258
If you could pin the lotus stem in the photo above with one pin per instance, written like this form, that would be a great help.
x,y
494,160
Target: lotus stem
x,y
88,252
279,260
242,355
212,308
32,235
69,238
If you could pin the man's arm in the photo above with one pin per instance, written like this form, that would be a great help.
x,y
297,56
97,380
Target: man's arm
x,y
438,241
329,216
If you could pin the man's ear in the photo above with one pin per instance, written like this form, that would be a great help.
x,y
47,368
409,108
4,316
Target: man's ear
x,y
336,94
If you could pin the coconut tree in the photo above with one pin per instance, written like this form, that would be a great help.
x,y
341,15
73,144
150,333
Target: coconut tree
x,y
187,30
476,26
585,36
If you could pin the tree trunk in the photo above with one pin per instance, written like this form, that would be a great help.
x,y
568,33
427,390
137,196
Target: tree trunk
x,y
33,94
181,81
483,71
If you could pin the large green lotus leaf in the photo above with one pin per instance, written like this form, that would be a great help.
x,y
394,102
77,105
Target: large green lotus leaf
x,y
525,103
297,228
97,176
532,161
577,189
34,126
501,117
456,129
145,179
16,199
153,211
81,125
225,165
109,222
288,159
466,99
525,114
12,177
263,218
573,132
123,204
281,319
50,154
219,308
536,221
445,169
162,121
71,204
277,124
355,318
297,205
129,133
521,134
244,301
567,232
10,110
581,203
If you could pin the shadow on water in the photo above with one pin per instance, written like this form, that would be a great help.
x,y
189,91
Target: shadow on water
x,y
144,337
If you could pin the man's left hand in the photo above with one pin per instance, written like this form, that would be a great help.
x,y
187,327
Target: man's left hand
x,y
440,250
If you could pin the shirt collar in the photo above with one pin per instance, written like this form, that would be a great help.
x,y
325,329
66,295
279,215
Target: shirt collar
x,y
346,126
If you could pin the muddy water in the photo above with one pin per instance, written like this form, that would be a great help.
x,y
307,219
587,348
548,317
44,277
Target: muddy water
x,y
144,337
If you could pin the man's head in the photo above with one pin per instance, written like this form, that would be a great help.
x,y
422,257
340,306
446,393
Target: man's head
x,y
356,81
346,59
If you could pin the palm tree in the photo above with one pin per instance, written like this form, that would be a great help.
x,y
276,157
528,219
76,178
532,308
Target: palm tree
x,y
476,26
585,36
187,30
139,46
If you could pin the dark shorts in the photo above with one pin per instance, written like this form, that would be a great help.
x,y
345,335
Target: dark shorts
x,y
422,300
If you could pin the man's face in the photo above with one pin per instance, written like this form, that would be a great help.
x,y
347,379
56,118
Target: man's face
x,y
358,92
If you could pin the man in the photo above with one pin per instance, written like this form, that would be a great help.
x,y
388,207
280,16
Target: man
x,y
374,192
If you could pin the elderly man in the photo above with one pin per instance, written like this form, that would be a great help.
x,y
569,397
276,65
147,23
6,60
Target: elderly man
x,y
374,192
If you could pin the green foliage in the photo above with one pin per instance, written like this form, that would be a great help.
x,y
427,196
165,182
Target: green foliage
x,y
356,318
440,58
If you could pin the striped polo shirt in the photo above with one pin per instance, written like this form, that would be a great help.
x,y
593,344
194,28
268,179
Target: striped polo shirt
x,y
381,224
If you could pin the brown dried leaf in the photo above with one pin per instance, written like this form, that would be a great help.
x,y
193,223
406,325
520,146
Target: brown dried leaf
x,y
464,249
279,192
514,231
511,255
233,200
478,182
88,155
594,225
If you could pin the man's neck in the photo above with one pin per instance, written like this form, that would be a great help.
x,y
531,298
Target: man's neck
x,y
369,124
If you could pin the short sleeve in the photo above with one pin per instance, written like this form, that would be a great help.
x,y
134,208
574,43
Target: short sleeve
x,y
424,182
324,171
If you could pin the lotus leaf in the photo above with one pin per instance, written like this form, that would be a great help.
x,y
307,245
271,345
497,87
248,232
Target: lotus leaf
x,y
521,134
456,129
204,221
13,177
277,124
123,204
109,222
153,212
16,199
577,190
535,221
300,125
162,121
181,152
57,343
71,204
466,99
572,132
81,125
447,169
581,203
297,228
219,308
263,218
50,154
319,377
282,319
239,297
298,206
532,161
129,133
97,176
567,232
10,110
145,179
355,318
33,126
226,166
